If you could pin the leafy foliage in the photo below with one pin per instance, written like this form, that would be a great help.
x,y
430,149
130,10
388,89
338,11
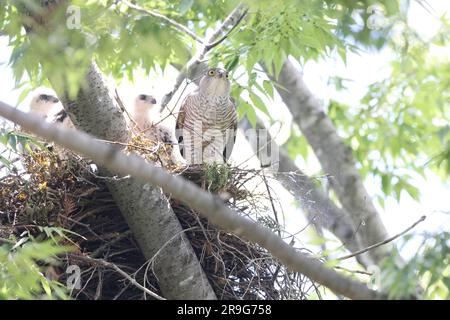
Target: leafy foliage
x,y
403,121
121,39
429,268
21,271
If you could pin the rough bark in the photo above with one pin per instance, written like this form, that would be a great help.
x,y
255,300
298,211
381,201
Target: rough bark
x,y
335,157
320,210
144,206
210,206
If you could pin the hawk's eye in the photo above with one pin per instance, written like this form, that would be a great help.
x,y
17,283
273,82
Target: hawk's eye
x,y
227,75
211,73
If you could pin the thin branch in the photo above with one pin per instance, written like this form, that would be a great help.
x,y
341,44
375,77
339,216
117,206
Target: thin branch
x,y
210,45
422,218
172,22
354,271
233,19
111,265
110,243
123,108
210,206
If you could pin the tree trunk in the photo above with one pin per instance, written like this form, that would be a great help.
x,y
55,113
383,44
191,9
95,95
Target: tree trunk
x,y
144,207
335,157
319,208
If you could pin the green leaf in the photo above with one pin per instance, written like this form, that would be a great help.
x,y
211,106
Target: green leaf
x,y
252,58
185,5
392,7
386,183
412,190
268,87
24,94
6,162
4,138
46,287
250,113
278,62
257,102
231,64
12,141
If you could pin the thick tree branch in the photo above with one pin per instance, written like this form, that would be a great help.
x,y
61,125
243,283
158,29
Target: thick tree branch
x,y
320,210
144,206
162,17
335,157
205,203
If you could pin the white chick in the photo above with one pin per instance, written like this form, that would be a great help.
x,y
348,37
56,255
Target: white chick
x,y
45,105
145,113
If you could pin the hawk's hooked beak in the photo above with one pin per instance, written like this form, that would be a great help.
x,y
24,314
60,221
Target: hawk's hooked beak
x,y
152,100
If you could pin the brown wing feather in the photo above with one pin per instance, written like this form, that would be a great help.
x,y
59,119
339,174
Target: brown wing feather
x,y
231,139
179,126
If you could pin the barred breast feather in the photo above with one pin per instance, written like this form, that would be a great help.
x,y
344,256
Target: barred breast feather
x,y
206,128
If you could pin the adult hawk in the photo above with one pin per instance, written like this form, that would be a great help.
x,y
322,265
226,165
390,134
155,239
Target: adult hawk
x,y
207,122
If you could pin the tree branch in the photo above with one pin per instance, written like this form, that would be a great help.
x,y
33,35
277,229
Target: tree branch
x,y
210,45
322,213
333,154
114,267
172,22
422,218
233,19
205,203
145,208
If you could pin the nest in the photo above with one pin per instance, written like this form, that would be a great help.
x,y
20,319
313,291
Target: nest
x,y
53,193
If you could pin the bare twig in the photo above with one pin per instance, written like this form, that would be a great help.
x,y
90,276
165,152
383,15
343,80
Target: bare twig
x,y
114,267
233,19
275,214
123,108
100,250
210,206
210,45
422,218
172,22
353,271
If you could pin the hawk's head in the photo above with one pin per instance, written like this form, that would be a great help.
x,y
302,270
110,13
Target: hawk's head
x,y
144,102
215,82
42,104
